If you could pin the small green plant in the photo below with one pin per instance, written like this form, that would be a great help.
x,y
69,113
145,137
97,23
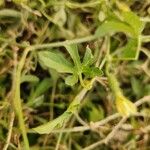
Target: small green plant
x,y
130,25
69,67
50,59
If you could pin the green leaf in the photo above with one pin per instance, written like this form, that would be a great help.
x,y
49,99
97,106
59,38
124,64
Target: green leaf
x,y
55,61
112,27
134,21
59,121
95,113
92,71
36,102
73,51
52,125
60,17
72,79
136,87
41,88
88,57
131,25
129,51
29,78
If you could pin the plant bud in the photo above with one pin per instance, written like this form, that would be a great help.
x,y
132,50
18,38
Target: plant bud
x,y
124,106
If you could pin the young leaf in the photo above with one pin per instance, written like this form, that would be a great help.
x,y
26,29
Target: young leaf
x,y
112,27
95,113
55,61
73,51
29,78
92,71
52,125
71,80
88,57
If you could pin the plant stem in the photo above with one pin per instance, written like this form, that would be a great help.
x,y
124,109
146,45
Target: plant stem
x,y
58,44
114,84
17,99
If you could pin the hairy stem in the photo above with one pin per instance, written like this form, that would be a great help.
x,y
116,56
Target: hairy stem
x,y
17,99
